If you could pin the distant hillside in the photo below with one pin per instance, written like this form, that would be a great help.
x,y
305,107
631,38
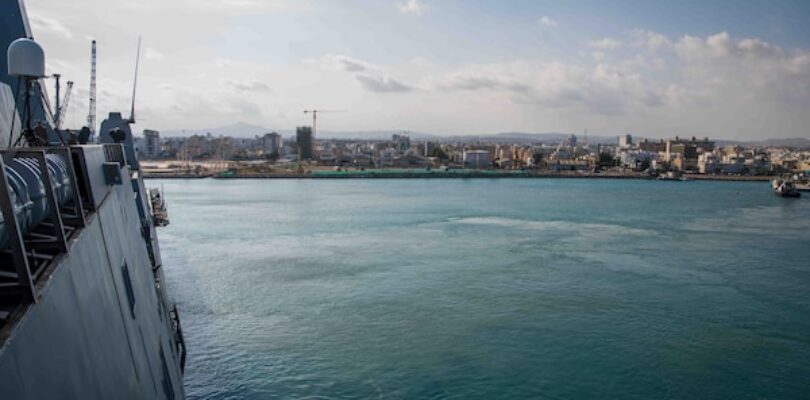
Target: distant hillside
x,y
242,129
374,135
521,137
803,143
239,129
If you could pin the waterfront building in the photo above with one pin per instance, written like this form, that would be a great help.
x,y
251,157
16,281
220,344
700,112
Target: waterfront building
x,y
625,141
151,143
362,160
683,154
326,156
430,147
569,165
636,159
271,143
477,159
386,158
303,142
401,142
653,147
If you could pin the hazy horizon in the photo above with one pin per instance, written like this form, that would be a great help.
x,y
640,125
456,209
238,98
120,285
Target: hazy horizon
x,y
724,70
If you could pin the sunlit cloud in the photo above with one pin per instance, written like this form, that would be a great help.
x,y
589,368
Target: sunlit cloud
x,y
415,7
547,21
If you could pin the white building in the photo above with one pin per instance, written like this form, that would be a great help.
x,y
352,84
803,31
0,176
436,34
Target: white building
x,y
625,141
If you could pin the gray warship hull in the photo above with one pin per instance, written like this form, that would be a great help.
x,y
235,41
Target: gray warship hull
x,y
84,312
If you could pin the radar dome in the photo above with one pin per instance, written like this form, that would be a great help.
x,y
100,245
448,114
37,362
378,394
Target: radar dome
x,y
26,58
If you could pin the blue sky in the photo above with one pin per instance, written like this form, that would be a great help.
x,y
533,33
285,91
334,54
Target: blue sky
x,y
717,68
480,31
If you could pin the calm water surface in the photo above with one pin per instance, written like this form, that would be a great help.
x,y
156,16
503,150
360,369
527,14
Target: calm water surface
x,y
491,289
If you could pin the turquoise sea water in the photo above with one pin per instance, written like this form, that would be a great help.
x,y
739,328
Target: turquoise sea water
x,y
489,288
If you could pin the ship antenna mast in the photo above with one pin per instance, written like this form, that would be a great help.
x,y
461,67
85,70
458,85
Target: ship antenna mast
x,y
135,82
91,112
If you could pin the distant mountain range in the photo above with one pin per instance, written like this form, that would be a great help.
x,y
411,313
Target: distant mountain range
x,y
242,129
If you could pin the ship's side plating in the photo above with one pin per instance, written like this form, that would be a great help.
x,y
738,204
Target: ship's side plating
x,y
83,307
99,325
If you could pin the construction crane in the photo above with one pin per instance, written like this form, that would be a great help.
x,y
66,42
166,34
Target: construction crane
x,y
315,118
91,112
62,110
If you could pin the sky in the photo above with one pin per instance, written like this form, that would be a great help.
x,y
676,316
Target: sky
x,y
723,69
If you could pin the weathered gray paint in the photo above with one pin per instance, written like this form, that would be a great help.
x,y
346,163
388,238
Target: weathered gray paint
x,y
80,340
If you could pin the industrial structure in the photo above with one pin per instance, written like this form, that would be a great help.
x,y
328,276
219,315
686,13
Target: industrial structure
x,y
91,109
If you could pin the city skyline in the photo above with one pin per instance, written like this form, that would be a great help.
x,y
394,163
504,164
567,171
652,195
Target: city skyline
x,y
455,68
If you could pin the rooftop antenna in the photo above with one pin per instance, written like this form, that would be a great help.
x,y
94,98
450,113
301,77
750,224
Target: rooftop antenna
x,y
91,111
135,82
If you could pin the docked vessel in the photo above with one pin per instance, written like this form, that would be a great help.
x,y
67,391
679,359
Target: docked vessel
x,y
84,312
785,187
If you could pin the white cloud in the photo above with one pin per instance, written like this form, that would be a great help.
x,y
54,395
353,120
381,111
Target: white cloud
x,y
248,85
606,44
346,63
43,24
477,82
722,45
152,54
222,62
382,83
235,7
370,77
598,56
415,7
649,39
547,21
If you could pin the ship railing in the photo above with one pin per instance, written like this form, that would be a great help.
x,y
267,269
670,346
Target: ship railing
x,y
29,243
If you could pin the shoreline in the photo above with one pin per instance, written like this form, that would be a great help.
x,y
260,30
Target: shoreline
x,y
452,175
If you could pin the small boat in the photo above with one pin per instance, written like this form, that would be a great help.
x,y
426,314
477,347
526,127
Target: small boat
x,y
785,188
672,176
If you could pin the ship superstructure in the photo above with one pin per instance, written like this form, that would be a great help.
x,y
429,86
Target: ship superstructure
x,y
84,312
